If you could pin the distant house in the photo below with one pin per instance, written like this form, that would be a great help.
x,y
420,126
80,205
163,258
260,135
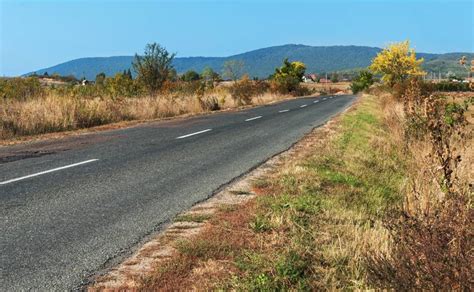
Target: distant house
x,y
310,78
86,82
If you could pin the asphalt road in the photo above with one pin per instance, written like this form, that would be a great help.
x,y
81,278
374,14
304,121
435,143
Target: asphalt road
x,y
70,206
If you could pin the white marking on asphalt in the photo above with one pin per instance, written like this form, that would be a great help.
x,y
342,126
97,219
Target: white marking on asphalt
x,y
316,101
284,111
254,118
304,105
192,134
46,171
324,98
331,96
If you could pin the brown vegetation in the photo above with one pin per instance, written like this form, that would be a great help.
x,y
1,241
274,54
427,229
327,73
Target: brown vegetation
x,y
433,232
27,108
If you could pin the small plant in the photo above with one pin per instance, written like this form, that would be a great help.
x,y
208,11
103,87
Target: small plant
x,y
260,224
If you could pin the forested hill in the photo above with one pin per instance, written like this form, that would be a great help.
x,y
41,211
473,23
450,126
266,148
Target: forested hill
x,y
261,62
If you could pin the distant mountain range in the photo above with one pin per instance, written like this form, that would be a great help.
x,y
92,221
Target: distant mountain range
x,y
262,62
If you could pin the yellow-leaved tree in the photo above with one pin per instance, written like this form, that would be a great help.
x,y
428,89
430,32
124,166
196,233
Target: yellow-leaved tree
x,y
397,62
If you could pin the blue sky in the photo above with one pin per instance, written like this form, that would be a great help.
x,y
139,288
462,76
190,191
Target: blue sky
x,y
38,34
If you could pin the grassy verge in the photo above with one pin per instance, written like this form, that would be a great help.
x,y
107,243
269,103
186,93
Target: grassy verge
x,y
311,225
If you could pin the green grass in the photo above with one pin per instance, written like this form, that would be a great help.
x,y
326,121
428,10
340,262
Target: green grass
x,y
323,207
193,218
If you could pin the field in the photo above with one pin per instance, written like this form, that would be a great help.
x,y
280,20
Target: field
x,y
331,88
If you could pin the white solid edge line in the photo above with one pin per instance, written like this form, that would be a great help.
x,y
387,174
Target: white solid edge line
x,y
304,105
284,111
192,134
254,118
46,171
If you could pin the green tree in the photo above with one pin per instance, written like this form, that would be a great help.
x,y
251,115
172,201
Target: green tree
x,y
287,78
233,69
190,75
362,81
209,75
129,74
334,77
153,68
100,79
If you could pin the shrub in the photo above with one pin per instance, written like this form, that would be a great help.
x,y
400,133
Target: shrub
x,y
452,86
287,78
121,86
243,90
20,88
190,75
362,81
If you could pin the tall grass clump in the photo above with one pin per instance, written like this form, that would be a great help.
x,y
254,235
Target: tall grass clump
x,y
432,233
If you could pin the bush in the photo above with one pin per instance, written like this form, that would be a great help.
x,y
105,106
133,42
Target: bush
x,y
121,86
20,88
190,75
243,90
452,86
362,81
287,78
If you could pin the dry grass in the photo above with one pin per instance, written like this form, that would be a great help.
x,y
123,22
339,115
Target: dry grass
x,y
432,234
329,88
55,113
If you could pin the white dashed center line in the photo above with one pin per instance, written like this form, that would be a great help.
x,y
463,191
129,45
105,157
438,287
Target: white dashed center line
x,y
316,101
324,98
284,111
195,133
46,171
254,118
304,105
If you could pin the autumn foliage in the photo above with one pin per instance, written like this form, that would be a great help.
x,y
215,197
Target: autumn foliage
x,y
397,63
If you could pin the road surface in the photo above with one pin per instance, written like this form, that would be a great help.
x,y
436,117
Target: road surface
x,y
69,207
